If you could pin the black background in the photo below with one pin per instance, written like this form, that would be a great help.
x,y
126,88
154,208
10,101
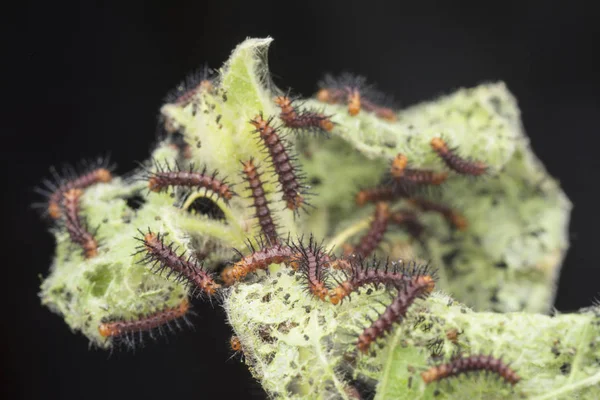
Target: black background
x,y
88,79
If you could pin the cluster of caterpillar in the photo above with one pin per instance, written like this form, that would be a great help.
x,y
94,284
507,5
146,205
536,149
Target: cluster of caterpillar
x,y
356,93
405,185
412,281
379,225
407,282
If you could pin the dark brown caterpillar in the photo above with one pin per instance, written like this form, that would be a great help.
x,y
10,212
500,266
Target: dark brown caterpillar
x,y
408,178
144,323
163,257
419,287
95,172
382,112
471,364
185,93
455,162
259,259
369,242
194,84
76,225
312,263
391,274
451,215
424,177
261,205
379,193
165,177
409,221
286,172
302,120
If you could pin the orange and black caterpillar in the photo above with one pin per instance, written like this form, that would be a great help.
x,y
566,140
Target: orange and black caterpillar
x,y
451,215
312,262
261,205
165,177
354,91
423,177
405,178
128,329
286,171
418,287
276,253
76,224
369,242
470,364
454,161
394,274
380,193
302,119
409,221
162,256
98,171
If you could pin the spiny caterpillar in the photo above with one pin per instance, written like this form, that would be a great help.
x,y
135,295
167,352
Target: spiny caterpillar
x,y
165,177
194,84
302,120
312,263
354,91
369,242
76,225
451,215
145,323
163,257
424,177
95,172
391,274
378,194
470,364
276,253
261,205
318,267
282,163
454,161
407,177
418,287
409,220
